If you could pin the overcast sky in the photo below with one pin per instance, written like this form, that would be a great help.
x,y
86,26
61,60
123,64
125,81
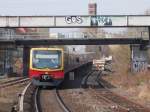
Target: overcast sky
x,y
72,7
68,7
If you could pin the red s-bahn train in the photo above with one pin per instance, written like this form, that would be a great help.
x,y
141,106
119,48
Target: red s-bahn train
x,y
46,66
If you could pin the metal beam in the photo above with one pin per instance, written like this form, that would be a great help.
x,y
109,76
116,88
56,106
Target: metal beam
x,y
7,42
99,41
75,21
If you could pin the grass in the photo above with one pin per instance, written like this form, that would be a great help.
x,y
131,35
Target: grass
x,y
137,84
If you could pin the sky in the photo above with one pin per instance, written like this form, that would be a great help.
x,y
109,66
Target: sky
x,y
72,7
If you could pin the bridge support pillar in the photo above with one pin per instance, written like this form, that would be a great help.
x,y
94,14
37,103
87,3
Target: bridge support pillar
x,y
149,34
26,57
139,58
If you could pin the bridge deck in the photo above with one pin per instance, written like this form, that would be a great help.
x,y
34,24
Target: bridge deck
x,y
75,21
98,41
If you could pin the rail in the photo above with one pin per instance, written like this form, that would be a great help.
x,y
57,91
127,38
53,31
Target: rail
x,y
21,101
13,82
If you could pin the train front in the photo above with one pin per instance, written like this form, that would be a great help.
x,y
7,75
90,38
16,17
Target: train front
x,y
46,66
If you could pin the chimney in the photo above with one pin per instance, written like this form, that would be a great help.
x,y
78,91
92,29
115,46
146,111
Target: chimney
x,y
92,8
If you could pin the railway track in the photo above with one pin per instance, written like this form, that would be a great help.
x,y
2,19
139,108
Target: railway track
x,y
13,82
36,99
51,98
85,79
43,100
26,99
118,103
120,100
114,107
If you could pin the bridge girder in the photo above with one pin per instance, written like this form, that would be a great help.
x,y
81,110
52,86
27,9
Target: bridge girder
x,y
97,41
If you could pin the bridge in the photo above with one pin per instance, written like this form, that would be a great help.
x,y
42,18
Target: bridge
x,y
75,21
96,41
138,55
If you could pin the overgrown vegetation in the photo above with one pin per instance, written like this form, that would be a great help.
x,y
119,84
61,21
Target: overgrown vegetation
x,y
134,85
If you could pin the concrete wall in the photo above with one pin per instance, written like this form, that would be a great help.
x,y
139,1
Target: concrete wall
x,y
139,59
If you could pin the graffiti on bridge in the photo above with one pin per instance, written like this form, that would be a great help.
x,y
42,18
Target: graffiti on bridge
x,y
73,20
101,20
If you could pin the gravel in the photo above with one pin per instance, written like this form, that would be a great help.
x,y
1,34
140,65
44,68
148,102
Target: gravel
x,y
83,100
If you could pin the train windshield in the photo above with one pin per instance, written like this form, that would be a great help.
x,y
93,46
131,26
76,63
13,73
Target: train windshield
x,y
46,59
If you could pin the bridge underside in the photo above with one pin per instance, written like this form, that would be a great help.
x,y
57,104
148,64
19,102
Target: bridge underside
x,y
98,41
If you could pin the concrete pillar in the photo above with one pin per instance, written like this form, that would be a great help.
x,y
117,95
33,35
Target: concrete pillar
x,y
26,57
8,64
149,34
139,58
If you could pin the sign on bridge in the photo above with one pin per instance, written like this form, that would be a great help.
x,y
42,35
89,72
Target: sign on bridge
x,y
75,21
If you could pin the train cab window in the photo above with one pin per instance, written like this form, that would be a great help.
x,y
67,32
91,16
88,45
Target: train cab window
x,y
46,59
